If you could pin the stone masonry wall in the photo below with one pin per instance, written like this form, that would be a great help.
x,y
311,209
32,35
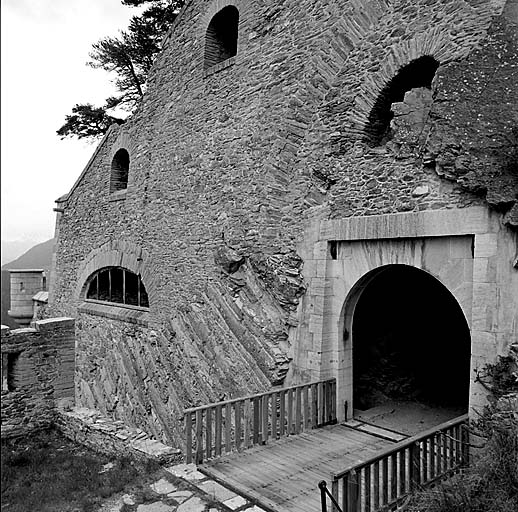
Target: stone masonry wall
x,y
226,168
104,435
40,375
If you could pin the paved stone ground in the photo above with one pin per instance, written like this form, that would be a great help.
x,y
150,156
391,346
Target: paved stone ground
x,y
184,490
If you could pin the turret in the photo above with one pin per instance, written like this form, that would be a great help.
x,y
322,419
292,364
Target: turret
x,y
24,285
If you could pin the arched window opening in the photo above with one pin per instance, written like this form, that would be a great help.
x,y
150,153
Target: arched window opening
x,y
120,171
418,74
117,285
221,37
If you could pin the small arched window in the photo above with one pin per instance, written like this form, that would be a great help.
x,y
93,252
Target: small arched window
x,y
221,37
117,285
119,171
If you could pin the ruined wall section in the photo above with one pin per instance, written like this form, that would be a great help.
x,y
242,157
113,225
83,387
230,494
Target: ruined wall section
x,y
473,136
37,374
356,177
225,170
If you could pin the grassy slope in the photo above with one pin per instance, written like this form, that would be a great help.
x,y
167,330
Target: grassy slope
x,y
48,473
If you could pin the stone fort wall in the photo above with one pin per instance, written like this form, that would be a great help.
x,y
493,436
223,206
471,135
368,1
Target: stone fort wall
x,y
228,166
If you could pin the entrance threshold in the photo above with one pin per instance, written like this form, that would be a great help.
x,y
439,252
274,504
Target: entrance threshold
x,y
408,418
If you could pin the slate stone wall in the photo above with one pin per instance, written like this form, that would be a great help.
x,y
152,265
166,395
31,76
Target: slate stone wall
x,y
226,168
41,377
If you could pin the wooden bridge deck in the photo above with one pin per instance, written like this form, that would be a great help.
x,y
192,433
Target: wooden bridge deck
x,y
283,475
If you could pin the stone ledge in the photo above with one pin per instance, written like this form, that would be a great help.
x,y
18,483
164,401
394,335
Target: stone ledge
x,y
52,323
219,67
114,312
105,435
120,195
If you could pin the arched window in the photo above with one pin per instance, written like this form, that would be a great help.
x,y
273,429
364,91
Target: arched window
x,y
221,37
117,285
120,171
419,73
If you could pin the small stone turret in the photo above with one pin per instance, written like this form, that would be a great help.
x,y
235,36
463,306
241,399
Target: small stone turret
x,y
24,285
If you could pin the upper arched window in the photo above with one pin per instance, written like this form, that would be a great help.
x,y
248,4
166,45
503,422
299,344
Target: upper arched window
x,y
221,37
118,285
418,73
120,171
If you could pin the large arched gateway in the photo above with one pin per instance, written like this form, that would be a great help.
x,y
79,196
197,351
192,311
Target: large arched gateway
x,y
411,347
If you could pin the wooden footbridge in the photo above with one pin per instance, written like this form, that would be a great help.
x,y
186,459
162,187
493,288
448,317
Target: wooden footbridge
x,y
285,451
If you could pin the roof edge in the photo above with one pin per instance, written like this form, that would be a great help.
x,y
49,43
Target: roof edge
x,y
175,23
66,196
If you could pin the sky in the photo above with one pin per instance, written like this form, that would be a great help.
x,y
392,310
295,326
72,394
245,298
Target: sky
x,y
45,46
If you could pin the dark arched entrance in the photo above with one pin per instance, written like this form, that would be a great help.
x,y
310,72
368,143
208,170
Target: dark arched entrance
x,y
411,343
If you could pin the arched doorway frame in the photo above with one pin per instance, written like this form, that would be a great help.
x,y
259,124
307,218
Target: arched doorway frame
x,y
317,340
346,319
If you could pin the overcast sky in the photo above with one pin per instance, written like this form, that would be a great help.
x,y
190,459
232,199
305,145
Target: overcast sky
x,y
45,45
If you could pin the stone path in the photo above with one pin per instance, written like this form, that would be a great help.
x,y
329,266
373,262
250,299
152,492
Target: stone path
x,y
187,491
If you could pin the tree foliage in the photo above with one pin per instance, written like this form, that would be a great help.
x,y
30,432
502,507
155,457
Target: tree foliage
x,y
86,121
129,56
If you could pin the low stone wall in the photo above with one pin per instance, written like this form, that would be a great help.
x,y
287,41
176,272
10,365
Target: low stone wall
x,y
102,434
37,374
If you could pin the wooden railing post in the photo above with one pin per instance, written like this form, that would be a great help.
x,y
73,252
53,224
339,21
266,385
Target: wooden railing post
x,y
415,466
282,413
298,409
376,485
237,426
334,493
256,422
314,405
367,487
247,423
188,437
393,476
265,417
402,472
275,397
199,437
208,433
228,428
464,439
217,430
321,402
353,503
384,480
333,401
306,409
290,412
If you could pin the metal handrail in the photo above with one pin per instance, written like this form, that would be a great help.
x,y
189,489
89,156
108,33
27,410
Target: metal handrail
x,y
322,485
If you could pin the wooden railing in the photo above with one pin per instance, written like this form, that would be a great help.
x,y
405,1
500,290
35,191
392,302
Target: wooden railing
x,y
383,482
241,423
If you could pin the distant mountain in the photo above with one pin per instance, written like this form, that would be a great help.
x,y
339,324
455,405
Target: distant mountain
x,y
39,256
12,249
